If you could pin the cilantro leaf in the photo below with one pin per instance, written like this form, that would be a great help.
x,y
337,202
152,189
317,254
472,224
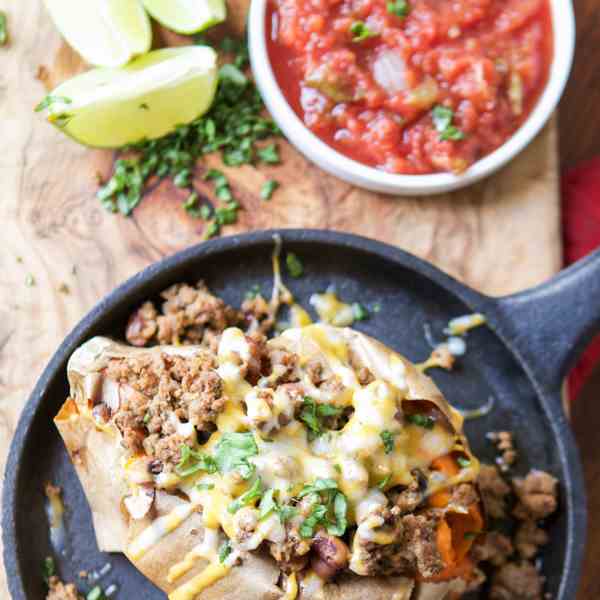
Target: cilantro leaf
x,y
268,188
232,452
361,32
95,593
267,504
313,413
400,8
3,28
294,266
317,514
224,551
442,119
254,493
48,568
192,461
463,462
421,421
286,512
269,154
49,100
320,485
387,437
340,509
383,483
359,312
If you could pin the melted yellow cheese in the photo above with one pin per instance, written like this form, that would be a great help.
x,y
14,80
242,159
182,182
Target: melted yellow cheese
x,y
356,456
299,317
332,310
189,590
159,529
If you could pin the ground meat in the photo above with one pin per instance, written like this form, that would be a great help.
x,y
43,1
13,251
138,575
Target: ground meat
x,y
517,582
160,392
415,552
189,315
529,538
292,555
62,591
507,455
259,361
494,491
537,494
409,498
283,365
494,548
142,326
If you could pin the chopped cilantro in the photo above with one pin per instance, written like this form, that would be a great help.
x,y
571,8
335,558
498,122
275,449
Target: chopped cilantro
x,y
286,512
332,513
294,266
224,551
317,514
312,414
338,468
29,280
400,8
95,593
191,205
463,462
383,483
268,188
320,485
387,437
376,307
254,493
269,154
267,504
232,452
192,461
3,28
147,418
361,32
359,312
340,510
49,100
48,568
421,421
233,126
442,119
470,535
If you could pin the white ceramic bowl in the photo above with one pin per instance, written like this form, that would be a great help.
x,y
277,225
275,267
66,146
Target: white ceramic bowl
x,y
345,168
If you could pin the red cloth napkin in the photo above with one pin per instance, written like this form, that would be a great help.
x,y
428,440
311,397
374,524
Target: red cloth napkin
x,y
581,235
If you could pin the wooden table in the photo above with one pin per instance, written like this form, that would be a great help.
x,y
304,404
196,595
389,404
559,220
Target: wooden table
x,y
55,233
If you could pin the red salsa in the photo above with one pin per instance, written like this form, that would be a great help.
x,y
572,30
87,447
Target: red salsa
x,y
412,86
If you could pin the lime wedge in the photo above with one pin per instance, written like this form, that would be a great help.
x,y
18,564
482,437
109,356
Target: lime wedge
x,y
187,16
107,33
148,98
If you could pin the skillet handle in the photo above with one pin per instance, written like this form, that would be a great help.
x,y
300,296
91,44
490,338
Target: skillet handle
x,y
549,326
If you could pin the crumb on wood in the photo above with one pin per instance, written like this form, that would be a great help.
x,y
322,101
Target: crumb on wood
x,y
507,454
63,288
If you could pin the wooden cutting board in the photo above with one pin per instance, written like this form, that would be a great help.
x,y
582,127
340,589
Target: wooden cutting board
x,y
62,252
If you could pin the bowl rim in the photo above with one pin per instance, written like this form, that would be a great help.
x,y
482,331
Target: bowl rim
x,y
354,172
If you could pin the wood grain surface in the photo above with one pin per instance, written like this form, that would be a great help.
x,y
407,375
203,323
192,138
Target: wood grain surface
x,y
61,252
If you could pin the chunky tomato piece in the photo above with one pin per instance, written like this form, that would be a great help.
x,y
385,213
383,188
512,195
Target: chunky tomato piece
x,y
412,86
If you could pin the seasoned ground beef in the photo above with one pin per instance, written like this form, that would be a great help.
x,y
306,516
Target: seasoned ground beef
x,y
158,394
529,538
494,491
62,591
258,314
494,548
537,494
415,551
408,499
517,582
292,554
189,315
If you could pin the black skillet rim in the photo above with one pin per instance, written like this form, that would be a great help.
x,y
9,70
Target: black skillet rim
x,y
569,457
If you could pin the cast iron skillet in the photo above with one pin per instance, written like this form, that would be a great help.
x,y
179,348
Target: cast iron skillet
x,y
520,359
